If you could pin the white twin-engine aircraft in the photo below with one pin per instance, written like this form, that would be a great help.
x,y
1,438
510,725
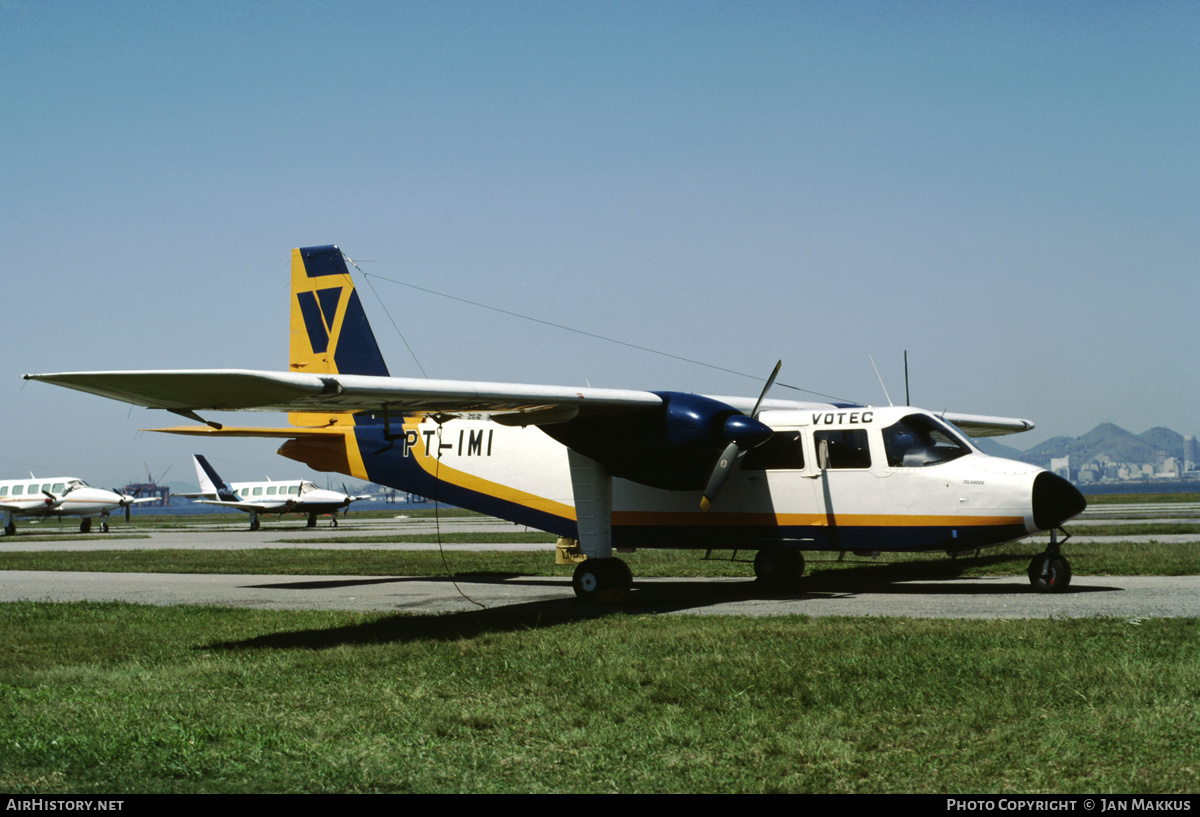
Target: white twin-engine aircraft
x,y
621,470
60,496
271,497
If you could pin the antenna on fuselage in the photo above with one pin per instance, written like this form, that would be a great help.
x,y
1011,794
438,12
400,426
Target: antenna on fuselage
x,y
907,400
885,391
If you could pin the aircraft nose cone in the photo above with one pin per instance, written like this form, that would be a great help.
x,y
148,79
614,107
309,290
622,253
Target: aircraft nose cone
x,y
746,431
1055,500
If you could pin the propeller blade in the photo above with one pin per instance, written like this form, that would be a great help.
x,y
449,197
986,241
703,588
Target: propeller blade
x,y
720,475
767,388
743,434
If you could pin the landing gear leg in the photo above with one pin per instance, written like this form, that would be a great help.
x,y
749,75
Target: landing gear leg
x,y
599,580
254,524
1050,572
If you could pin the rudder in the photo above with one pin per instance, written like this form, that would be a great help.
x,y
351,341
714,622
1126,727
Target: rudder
x,y
330,333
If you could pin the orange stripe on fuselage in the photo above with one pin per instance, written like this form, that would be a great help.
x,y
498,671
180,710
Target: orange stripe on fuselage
x,y
677,518
470,482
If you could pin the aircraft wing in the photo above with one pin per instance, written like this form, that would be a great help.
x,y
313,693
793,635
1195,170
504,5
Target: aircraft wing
x,y
250,507
246,390
978,425
30,505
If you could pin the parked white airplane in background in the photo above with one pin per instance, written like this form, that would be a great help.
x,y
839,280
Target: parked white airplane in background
x,y
270,497
619,469
60,496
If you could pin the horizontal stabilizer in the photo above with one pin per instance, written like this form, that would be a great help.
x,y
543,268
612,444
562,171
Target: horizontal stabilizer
x,y
976,425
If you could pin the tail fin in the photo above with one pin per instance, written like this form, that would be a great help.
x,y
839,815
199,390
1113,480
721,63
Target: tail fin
x,y
330,333
211,482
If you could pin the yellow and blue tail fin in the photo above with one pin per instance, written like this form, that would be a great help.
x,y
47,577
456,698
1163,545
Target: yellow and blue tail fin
x,y
330,333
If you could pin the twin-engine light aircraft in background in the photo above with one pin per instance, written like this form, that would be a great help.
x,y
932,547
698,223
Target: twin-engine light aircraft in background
x,y
60,496
618,469
270,497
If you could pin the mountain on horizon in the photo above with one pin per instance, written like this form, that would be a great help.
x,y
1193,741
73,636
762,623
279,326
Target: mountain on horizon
x,y
1105,440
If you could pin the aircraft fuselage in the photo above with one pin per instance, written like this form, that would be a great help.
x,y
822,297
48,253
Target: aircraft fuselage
x,y
859,479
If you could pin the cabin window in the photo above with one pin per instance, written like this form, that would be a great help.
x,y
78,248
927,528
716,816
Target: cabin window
x,y
293,489
919,440
271,490
33,489
59,487
18,490
3,490
842,448
782,452
258,491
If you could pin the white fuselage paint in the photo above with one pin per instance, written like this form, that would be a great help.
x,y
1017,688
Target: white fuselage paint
x,y
525,467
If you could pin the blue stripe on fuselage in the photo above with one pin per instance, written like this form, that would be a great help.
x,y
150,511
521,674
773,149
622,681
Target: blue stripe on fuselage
x,y
387,464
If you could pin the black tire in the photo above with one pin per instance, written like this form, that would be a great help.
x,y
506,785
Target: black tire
x,y
597,579
255,524
10,529
85,525
1049,573
778,565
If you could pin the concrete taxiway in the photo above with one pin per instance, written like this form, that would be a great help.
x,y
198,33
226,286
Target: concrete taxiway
x,y
995,597
1130,597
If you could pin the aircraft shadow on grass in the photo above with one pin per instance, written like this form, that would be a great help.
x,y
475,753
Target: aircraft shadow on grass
x,y
646,597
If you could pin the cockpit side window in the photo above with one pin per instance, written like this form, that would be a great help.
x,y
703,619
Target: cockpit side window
x,y
918,441
842,448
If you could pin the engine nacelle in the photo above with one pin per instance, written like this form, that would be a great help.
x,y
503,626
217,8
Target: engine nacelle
x,y
672,446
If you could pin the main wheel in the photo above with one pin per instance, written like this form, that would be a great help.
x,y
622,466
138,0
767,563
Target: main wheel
x,y
1049,573
85,525
601,579
255,524
778,565
10,529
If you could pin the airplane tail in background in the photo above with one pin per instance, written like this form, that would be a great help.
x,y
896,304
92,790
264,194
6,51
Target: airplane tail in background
x,y
330,333
211,483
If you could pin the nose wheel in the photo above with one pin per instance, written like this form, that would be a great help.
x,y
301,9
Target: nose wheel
x,y
1050,572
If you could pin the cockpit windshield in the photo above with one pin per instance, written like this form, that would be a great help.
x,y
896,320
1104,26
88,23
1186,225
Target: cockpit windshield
x,y
920,440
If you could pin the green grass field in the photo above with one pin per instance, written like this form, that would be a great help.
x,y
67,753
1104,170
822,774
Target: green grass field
x,y
121,698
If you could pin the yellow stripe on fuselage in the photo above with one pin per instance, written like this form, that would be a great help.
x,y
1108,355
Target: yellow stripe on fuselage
x,y
710,519
461,479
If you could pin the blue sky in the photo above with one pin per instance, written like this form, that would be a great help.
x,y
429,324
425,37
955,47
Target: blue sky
x,y
1009,191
